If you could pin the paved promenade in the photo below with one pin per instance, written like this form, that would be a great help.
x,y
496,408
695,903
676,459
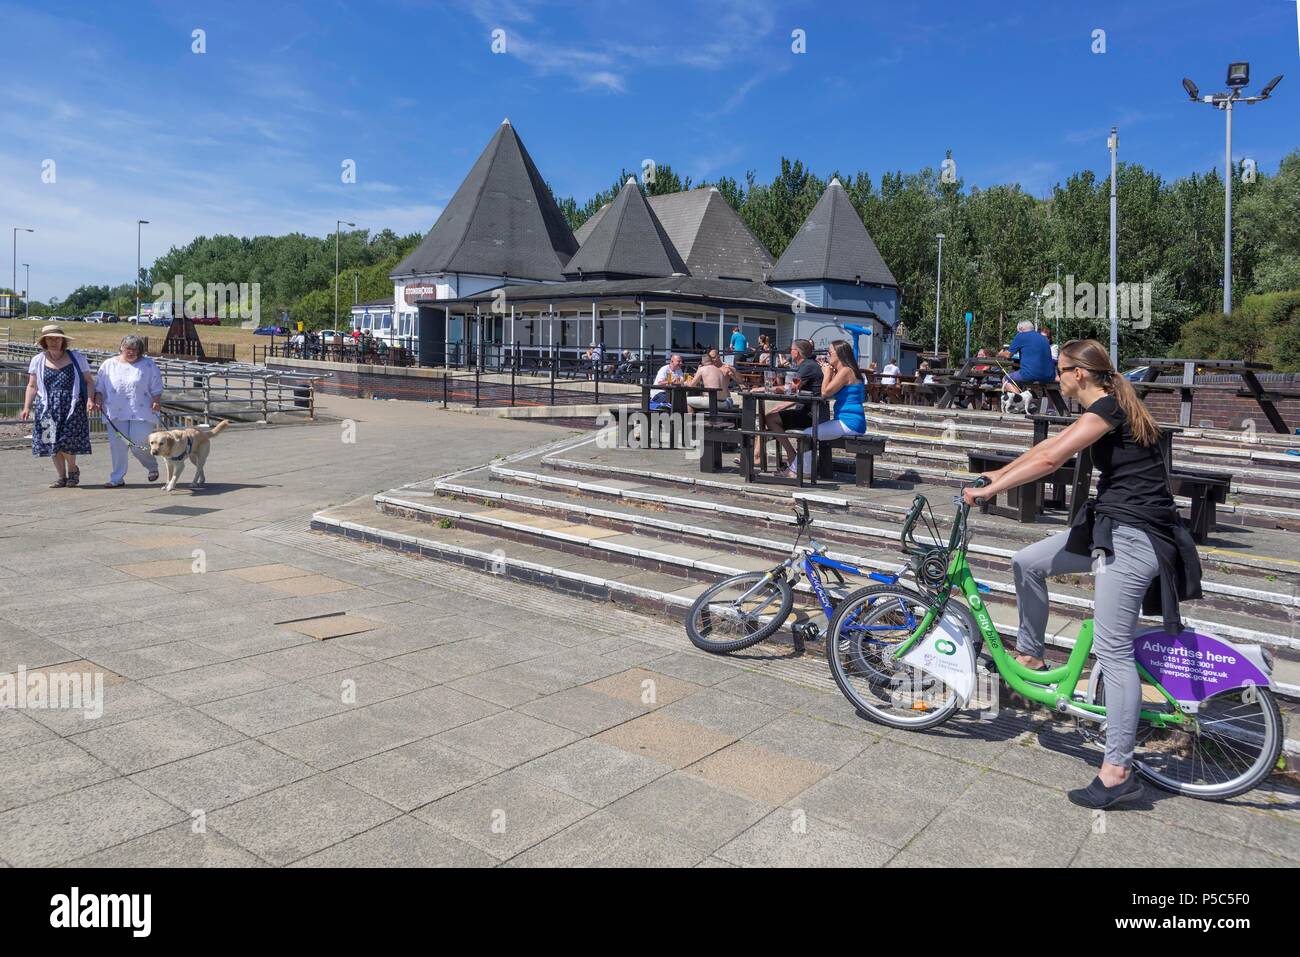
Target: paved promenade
x,y
273,696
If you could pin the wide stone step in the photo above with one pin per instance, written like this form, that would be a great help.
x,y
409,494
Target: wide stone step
x,y
1258,550
708,553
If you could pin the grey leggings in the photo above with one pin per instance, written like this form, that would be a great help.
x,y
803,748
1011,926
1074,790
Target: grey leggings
x,y
1121,583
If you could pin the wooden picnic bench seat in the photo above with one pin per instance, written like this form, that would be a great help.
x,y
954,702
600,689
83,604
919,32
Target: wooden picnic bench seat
x,y
864,449
1207,490
1027,498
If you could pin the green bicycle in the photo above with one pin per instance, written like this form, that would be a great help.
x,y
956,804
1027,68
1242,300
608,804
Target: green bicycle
x,y
1209,727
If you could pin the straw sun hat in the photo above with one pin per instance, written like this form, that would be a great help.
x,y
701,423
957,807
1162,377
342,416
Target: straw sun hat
x,y
53,329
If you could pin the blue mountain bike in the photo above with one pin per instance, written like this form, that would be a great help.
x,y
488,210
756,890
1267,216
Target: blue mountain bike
x,y
745,609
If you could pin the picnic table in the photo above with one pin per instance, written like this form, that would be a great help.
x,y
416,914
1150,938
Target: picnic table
x,y
1187,388
752,416
974,370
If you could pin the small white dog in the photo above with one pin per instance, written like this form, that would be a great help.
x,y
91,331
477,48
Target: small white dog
x,y
1021,403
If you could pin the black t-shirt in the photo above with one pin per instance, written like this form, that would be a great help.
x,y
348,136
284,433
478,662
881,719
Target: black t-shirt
x,y
810,376
1129,474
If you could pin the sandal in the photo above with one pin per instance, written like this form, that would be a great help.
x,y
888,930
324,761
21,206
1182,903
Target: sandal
x,y
74,479
61,483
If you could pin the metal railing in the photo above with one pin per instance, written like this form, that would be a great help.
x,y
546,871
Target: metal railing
x,y
201,391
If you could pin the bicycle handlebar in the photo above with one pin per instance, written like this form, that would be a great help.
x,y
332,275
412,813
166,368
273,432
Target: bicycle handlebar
x,y
918,506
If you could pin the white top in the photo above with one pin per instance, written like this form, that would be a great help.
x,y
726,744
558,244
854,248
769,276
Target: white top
x,y
128,388
890,371
666,374
37,368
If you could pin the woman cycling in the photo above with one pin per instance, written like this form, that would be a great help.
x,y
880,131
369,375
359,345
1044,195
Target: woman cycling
x,y
1145,558
842,379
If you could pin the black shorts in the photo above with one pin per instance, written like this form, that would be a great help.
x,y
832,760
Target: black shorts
x,y
796,417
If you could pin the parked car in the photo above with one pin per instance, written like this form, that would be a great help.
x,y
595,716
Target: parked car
x,y
331,336
207,321
270,331
101,316
160,321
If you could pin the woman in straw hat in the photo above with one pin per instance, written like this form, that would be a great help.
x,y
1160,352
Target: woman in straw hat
x,y
59,381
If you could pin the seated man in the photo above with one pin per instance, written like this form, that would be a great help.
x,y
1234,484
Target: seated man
x,y
1034,350
712,374
671,373
806,376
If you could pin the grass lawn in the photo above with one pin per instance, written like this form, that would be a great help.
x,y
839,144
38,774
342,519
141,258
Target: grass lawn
x,y
109,335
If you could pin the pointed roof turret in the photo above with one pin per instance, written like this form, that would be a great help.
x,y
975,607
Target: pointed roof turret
x,y
833,245
629,241
501,221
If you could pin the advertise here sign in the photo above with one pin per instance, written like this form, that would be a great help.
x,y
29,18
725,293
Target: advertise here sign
x,y
1193,667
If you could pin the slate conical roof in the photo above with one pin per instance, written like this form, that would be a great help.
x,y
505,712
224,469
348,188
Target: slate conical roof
x,y
707,233
502,220
629,241
833,244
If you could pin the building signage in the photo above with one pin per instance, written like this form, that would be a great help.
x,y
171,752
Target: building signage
x,y
414,293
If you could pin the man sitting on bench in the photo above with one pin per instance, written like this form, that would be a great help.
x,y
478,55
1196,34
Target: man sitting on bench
x,y
712,374
669,374
1034,351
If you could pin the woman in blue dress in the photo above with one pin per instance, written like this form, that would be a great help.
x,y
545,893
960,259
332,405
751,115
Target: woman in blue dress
x,y
841,380
60,391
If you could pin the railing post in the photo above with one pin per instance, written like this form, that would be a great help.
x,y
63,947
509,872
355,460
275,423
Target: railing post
x,y
477,373
599,363
512,385
444,389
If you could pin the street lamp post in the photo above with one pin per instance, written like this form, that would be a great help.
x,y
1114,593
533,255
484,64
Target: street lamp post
x,y
1113,311
26,229
938,279
338,223
1238,79
27,292
138,224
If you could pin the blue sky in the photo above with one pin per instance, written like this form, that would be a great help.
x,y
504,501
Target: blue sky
x,y
249,137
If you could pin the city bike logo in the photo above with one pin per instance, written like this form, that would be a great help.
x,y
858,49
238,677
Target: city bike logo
x,y
945,647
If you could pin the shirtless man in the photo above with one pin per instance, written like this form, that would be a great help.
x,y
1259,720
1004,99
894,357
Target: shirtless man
x,y
712,374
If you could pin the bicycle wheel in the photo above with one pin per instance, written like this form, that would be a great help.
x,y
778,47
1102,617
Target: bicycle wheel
x,y
1232,745
868,626
739,611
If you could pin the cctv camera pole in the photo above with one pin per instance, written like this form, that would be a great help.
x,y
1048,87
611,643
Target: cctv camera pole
x,y
1238,79
1114,225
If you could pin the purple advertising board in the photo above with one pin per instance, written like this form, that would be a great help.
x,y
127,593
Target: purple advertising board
x,y
1193,667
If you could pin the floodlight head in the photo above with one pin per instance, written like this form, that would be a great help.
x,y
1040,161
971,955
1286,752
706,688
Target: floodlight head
x,y
1191,89
1238,75
1271,83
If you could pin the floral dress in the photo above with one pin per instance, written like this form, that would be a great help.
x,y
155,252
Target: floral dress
x,y
54,430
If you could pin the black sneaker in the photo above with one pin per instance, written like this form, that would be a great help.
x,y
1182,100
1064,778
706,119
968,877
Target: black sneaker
x,y
1096,795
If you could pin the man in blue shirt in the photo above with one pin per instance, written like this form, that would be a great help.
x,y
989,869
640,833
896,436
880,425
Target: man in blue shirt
x,y
739,347
1034,351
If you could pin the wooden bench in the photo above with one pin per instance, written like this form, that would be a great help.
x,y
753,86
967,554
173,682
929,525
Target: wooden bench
x,y
864,449
721,433
1027,499
1207,490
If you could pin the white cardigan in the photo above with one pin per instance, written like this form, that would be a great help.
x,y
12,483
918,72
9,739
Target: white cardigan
x,y
37,368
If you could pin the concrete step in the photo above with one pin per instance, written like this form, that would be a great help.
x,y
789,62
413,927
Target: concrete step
x,y
883,504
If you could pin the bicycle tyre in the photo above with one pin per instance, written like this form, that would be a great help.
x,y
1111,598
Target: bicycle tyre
x,y
865,706
1256,773
698,619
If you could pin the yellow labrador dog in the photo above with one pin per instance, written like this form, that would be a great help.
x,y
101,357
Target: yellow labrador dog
x,y
177,445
